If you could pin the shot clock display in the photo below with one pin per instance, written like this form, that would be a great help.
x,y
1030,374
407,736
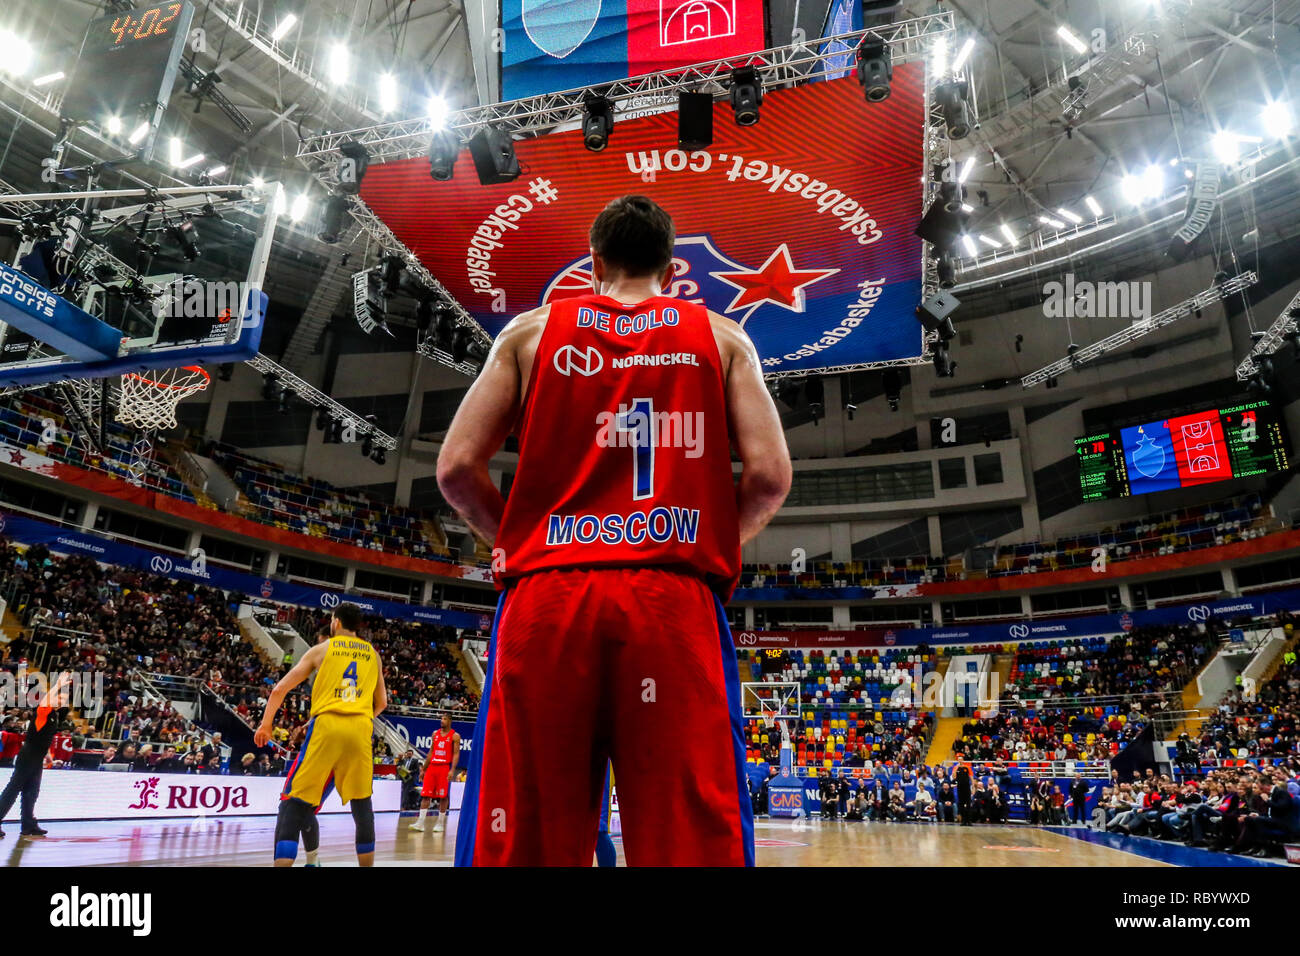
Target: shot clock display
x,y
128,61
1215,445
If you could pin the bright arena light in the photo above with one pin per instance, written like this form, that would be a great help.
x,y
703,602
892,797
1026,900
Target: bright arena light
x,y
48,78
1226,147
437,112
298,211
963,55
340,63
1075,44
969,244
1094,207
15,53
388,99
1276,119
283,27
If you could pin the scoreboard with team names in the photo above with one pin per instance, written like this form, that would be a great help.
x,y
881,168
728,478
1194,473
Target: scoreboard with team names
x,y
1238,441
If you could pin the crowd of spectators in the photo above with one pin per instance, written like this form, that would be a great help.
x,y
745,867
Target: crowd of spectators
x,y
1262,723
116,621
1046,733
1185,529
1140,662
1247,809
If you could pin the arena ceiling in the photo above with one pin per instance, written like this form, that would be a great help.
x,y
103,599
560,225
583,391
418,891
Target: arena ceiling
x,y
1206,66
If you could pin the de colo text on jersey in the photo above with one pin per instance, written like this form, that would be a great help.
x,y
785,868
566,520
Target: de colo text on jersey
x,y
626,324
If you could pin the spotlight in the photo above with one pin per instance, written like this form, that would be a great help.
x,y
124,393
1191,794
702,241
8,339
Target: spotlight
x,y
494,156
947,269
951,98
283,27
388,97
944,366
367,445
444,327
270,386
953,196
984,197
379,457
746,95
694,120
437,111
463,346
186,237
352,167
1277,120
935,309
1051,382
947,331
285,396
424,316
322,419
336,432
850,408
443,151
1075,44
597,122
815,392
334,219
391,275
893,382
875,70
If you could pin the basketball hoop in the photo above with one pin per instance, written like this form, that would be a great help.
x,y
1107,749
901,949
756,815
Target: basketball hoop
x,y
149,401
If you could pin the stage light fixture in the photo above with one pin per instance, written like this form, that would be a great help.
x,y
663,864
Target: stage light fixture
x,y
951,98
464,347
597,122
437,110
443,151
953,196
815,391
322,419
340,63
1049,221
336,432
186,238
444,327
947,269
15,53
989,241
746,95
298,209
875,70
48,78
351,168
931,312
379,457
893,383
694,120
139,133
966,168
1094,207
285,396
367,445
270,386
494,156
392,268
424,316
969,245
1011,236
334,219
944,366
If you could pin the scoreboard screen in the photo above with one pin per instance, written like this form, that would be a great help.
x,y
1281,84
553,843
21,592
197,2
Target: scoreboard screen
x,y
1183,451
128,60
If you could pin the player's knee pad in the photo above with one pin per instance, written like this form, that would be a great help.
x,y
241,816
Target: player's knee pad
x,y
289,823
311,832
363,814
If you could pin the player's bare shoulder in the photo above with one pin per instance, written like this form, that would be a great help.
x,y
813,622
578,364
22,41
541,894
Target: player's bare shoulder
x,y
735,347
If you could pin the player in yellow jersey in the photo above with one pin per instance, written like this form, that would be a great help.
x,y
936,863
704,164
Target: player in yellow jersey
x,y
346,696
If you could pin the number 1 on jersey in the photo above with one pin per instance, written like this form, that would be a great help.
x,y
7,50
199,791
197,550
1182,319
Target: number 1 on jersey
x,y
638,422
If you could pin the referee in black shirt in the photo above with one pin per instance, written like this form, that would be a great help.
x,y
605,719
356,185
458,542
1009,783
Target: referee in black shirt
x,y
26,779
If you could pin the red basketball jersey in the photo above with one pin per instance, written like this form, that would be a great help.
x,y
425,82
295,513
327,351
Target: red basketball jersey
x,y
624,446
440,749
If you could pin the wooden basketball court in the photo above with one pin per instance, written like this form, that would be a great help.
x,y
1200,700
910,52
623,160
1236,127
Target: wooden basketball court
x,y
248,842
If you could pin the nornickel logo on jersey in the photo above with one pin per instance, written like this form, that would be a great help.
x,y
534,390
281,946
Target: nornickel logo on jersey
x,y
570,359
74,909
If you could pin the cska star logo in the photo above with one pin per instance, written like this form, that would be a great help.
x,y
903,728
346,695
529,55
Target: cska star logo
x,y
705,275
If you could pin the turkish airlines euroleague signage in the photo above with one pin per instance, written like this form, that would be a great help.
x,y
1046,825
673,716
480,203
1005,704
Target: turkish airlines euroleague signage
x,y
799,228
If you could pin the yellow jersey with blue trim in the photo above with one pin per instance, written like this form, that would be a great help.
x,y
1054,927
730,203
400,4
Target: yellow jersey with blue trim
x,y
346,679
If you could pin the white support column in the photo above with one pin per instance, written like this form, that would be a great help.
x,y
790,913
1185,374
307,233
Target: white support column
x,y
89,516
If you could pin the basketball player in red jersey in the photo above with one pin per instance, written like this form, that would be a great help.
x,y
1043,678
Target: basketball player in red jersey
x,y
439,769
621,538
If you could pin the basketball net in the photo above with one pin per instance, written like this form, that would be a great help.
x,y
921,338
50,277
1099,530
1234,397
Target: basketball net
x,y
149,399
